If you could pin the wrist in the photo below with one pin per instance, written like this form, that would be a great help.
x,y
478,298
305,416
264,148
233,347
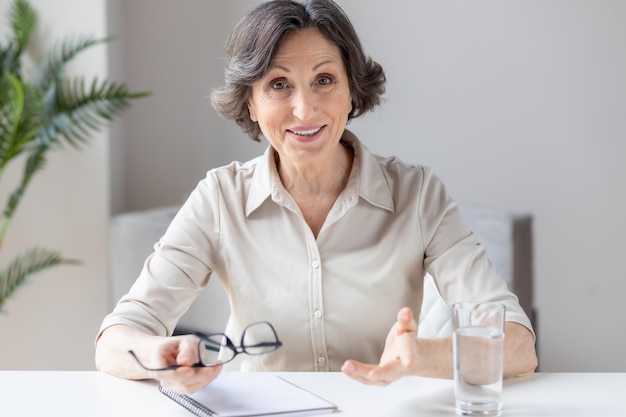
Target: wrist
x,y
434,359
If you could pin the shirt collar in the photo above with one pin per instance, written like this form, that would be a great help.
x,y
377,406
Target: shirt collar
x,y
371,183
366,179
263,181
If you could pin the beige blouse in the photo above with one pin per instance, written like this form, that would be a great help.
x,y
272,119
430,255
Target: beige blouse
x,y
332,298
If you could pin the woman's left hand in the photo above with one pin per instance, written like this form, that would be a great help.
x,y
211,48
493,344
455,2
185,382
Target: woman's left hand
x,y
398,358
405,354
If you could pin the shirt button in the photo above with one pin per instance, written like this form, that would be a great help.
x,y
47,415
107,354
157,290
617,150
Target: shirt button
x,y
321,360
315,264
318,314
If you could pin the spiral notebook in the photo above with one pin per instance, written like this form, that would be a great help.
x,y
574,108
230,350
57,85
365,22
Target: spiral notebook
x,y
249,394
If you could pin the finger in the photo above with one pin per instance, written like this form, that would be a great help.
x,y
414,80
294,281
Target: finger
x,y
367,381
365,373
188,351
357,369
203,377
189,380
390,371
406,322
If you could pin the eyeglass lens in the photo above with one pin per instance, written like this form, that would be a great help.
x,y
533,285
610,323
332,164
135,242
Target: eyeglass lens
x,y
257,339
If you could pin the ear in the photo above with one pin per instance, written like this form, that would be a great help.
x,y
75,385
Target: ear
x,y
252,113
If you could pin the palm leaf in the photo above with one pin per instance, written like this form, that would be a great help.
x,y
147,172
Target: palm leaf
x,y
20,115
22,266
36,161
11,108
52,69
80,110
22,21
9,58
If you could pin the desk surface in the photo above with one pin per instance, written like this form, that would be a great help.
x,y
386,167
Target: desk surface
x,y
68,394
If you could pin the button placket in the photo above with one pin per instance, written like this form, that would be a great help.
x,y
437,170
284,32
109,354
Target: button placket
x,y
316,304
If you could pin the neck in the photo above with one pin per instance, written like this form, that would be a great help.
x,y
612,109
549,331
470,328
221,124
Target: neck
x,y
331,176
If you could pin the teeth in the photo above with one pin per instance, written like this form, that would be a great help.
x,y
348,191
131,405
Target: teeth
x,y
307,132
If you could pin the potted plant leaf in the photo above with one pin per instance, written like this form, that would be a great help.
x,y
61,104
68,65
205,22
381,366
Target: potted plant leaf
x,y
42,111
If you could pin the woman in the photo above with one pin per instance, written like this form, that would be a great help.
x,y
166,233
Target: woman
x,y
326,241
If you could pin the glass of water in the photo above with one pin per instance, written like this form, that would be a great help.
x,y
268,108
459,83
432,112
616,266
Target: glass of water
x,y
478,345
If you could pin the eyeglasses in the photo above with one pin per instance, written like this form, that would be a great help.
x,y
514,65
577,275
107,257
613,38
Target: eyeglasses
x,y
257,339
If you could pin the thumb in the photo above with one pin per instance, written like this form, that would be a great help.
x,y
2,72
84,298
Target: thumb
x,y
406,332
188,351
406,323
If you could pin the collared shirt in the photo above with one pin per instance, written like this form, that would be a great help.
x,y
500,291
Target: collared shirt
x,y
330,298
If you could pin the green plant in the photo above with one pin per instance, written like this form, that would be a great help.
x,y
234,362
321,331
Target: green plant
x,y
41,113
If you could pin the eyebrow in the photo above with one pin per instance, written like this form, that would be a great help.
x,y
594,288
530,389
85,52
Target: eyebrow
x,y
315,67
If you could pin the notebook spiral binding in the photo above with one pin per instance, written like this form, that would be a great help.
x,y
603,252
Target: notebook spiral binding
x,y
189,403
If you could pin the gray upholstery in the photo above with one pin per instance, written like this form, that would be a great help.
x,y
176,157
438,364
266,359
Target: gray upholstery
x,y
506,236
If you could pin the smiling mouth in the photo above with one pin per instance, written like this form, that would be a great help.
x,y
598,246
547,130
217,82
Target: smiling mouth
x,y
305,133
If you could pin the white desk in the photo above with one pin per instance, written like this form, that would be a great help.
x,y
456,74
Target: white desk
x,y
94,394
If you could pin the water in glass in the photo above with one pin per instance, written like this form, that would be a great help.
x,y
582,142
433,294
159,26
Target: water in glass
x,y
478,365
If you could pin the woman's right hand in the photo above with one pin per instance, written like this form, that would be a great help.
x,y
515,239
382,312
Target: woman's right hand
x,y
113,358
180,350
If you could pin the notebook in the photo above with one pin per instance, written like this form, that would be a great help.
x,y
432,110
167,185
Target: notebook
x,y
248,394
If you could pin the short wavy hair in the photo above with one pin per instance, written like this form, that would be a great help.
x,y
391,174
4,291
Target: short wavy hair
x,y
257,37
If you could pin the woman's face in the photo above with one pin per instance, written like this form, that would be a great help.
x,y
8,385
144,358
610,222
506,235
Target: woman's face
x,y
303,101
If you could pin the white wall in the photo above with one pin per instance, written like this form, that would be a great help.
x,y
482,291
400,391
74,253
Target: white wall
x,y
175,135
516,105
52,321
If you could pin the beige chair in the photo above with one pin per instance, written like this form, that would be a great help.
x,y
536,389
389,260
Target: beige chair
x,y
507,237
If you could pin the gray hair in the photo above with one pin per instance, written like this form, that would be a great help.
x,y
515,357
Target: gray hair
x,y
257,37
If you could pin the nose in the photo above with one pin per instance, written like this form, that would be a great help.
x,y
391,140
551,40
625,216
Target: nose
x,y
304,105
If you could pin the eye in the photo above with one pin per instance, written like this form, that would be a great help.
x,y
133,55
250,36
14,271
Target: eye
x,y
278,84
325,80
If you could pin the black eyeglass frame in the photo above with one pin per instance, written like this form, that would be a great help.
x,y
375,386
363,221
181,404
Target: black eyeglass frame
x,y
205,339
